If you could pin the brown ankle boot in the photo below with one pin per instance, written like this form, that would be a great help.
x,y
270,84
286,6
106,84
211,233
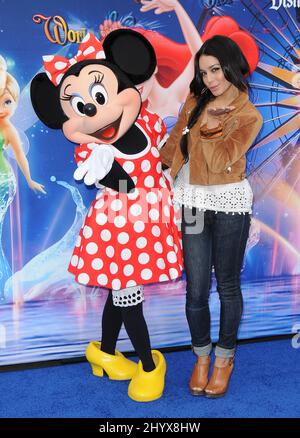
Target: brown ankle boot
x,y
218,383
199,378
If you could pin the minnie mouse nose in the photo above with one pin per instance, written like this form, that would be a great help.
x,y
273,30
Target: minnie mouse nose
x,y
89,109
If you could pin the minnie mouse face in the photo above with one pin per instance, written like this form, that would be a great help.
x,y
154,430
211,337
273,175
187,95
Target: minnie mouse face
x,y
92,97
96,110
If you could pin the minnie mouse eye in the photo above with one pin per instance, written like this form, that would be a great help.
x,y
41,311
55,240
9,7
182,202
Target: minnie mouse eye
x,y
78,105
99,94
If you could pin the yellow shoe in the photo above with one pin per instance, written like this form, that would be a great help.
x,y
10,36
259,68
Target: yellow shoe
x,y
149,386
117,367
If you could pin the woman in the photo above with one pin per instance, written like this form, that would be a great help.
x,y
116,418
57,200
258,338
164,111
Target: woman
x,y
206,154
9,95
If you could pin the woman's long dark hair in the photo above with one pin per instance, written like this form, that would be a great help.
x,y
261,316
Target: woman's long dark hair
x,y
234,66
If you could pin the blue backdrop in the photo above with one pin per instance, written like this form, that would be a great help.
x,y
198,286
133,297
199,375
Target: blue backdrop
x,y
44,314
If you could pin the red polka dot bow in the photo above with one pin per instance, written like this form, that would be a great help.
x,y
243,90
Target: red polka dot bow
x,y
56,66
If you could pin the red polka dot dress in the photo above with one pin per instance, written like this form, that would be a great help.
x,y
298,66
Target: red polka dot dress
x,y
131,239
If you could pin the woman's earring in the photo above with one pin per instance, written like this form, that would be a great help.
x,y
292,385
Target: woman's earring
x,y
204,90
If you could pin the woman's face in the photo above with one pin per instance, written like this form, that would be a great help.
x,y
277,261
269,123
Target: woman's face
x,y
7,105
212,75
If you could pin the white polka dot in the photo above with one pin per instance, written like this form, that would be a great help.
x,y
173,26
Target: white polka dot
x,y
146,274
158,247
119,221
74,260
154,214
158,167
141,242
116,205
78,241
60,65
83,278
101,218
48,58
59,78
167,211
146,118
126,254
128,270
162,182
49,75
157,126
90,212
155,152
99,204
163,277
131,283
158,140
110,251
135,210
173,273
143,258
132,196
100,55
113,268
170,240
80,263
89,50
85,39
134,179
128,166
161,263
91,146
139,226
105,235
176,248
156,231
145,166
83,154
123,238
151,198
172,257
102,279
97,264
87,232
149,181
116,284
169,200
92,248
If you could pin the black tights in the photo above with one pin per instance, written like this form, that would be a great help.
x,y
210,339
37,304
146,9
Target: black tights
x,y
135,325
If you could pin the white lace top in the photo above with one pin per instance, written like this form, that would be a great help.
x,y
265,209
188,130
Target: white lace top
x,y
229,198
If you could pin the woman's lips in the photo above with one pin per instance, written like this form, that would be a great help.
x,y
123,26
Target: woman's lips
x,y
109,131
214,88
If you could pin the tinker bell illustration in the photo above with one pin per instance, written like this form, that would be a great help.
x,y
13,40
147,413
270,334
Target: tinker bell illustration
x,y
9,96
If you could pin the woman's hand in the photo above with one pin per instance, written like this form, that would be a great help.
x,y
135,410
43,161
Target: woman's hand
x,y
160,6
36,187
219,111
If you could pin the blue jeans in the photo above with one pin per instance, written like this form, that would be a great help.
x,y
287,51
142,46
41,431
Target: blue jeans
x,y
217,239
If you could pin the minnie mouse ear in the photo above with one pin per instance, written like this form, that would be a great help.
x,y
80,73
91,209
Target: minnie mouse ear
x,y
132,53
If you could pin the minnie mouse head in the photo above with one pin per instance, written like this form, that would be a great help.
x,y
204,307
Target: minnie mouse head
x,y
92,97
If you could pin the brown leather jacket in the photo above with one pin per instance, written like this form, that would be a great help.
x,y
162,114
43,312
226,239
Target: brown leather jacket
x,y
217,156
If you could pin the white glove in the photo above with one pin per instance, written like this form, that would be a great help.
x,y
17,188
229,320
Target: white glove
x,y
97,165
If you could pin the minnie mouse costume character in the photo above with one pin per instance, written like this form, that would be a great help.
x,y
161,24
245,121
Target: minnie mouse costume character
x,y
129,237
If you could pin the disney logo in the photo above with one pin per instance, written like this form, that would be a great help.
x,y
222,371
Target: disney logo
x,y
276,4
